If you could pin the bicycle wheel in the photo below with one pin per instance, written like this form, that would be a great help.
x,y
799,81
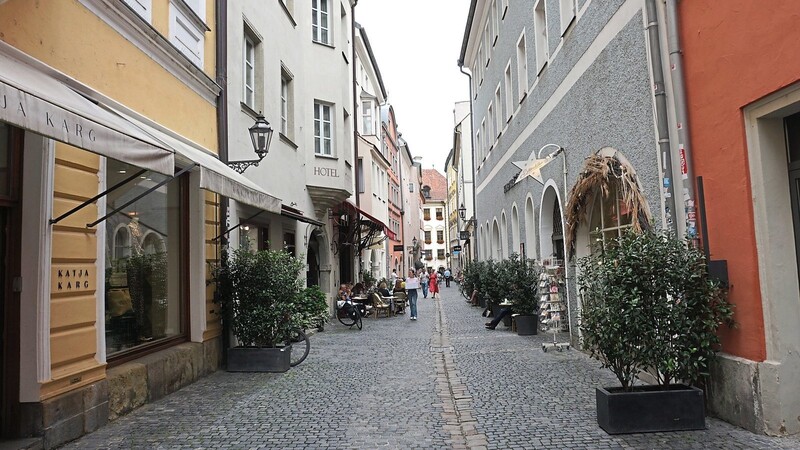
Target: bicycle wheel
x,y
300,347
358,319
348,319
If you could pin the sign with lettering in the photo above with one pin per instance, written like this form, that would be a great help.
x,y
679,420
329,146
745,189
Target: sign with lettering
x,y
326,172
73,278
463,235
456,248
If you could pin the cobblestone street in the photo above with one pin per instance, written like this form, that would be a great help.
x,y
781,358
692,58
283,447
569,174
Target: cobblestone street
x,y
440,382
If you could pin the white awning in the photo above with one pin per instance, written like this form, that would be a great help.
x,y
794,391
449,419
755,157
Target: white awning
x,y
215,175
36,101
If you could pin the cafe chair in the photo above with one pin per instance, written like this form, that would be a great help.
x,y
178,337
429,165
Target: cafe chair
x,y
378,305
400,302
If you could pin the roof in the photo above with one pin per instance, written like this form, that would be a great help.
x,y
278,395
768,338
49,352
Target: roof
x,y
371,57
465,41
437,182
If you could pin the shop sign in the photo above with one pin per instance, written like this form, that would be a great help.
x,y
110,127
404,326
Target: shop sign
x,y
398,248
456,248
72,278
463,235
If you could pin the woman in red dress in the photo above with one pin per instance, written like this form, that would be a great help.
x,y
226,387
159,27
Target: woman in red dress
x,y
434,284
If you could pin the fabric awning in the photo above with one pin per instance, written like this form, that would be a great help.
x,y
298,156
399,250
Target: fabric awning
x,y
33,100
297,215
388,232
215,175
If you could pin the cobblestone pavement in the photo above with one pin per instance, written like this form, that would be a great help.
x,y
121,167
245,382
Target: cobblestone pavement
x,y
440,382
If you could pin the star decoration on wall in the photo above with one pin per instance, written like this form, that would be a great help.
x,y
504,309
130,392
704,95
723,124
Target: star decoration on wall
x,y
533,167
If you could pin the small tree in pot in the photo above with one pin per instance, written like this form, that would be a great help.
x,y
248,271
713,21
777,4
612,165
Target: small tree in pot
x,y
648,304
260,293
522,278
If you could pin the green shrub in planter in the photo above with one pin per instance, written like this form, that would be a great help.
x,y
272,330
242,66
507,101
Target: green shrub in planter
x,y
262,296
521,277
648,304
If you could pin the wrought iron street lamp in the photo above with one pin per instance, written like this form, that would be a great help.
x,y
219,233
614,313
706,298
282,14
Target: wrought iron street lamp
x,y
462,211
261,136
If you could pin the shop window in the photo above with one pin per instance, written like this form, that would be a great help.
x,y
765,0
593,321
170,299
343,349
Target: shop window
x,y
144,293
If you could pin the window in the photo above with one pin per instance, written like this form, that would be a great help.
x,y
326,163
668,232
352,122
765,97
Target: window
x,y
522,68
480,64
609,216
143,8
410,187
288,243
367,122
360,176
490,117
426,192
323,140
185,32
320,29
439,215
479,150
509,92
249,72
440,253
198,7
483,145
495,22
498,114
429,254
287,103
427,213
144,300
540,34
440,237
427,237
567,14
503,8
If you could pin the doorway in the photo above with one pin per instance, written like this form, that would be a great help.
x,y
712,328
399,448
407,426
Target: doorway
x,y
792,127
10,236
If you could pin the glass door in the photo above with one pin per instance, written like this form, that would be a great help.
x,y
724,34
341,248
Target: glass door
x,y
792,126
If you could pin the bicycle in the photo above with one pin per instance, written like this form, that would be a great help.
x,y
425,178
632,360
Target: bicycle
x,y
300,342
348,314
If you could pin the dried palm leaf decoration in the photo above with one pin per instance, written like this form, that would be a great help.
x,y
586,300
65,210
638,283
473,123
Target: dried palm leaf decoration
x,y
603,173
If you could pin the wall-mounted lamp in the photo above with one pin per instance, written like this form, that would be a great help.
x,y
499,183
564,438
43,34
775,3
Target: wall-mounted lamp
x,y
261,135
462,212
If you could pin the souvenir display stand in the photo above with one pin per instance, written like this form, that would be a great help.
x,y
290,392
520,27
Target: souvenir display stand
x,y
552,306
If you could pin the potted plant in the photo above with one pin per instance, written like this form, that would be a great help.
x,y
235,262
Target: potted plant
x,y
523,276
648,304
260,293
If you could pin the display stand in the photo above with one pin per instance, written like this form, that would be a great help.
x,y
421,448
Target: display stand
x,y
552,305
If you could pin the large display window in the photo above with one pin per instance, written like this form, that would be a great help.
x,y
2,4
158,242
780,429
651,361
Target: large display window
x,y
144,301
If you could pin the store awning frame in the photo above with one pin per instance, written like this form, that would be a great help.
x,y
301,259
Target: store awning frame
x,y
295,214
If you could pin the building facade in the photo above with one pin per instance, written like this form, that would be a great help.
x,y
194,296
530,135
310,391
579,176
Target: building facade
x,y
411,193
465,189
112,136
451,170
744,128
434,220
396,250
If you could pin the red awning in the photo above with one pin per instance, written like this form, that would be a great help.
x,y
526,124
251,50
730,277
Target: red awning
x,y
389,233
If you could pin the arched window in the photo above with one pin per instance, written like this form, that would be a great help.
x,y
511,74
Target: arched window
x,y
530,229
515,230
609,216
496,249
153,244
122,243
426,191
503,250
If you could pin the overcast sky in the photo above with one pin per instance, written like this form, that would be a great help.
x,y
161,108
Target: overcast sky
x,y
417,44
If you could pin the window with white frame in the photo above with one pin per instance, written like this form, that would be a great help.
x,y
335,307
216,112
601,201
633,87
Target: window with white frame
x,y
480,64
185,33
487,42
498,114
287,104
495,22
567,8
198,7
142,7
320,21
509,92
609,216
323,129
483,141
479,150
490,118
522,67
367,121
249,71
540,33
503,9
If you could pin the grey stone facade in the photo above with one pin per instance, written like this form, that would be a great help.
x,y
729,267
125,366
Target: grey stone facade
x,y
593,93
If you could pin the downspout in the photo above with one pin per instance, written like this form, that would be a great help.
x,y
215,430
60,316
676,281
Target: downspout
x,y
222,135
676,62
662,124
402,204
472,151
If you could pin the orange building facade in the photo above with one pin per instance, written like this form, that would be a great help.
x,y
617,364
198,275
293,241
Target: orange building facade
x,y
742,74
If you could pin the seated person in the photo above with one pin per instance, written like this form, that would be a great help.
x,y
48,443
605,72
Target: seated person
x,y
399,286
383,291
345,295
358,289
493,324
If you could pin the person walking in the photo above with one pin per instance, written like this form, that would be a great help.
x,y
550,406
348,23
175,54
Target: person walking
x,y
423,280
434,284
412,284
447,277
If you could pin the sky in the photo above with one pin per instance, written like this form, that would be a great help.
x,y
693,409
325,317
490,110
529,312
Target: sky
x,y
417,44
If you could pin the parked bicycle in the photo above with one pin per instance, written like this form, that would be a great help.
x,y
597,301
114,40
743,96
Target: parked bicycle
x,y
348,313
301,346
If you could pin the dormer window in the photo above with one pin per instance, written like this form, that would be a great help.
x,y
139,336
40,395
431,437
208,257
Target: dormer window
x,y
426,191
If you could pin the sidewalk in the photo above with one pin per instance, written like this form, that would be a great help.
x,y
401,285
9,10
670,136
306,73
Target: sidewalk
x,y
440,382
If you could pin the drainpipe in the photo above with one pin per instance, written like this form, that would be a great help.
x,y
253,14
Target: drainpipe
x,y
662,124
222,134
358,276
676,62
472,150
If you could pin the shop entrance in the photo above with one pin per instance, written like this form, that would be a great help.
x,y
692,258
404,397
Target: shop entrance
x,y
10,145
792,126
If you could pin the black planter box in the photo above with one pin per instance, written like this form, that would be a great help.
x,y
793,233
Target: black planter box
x,y
650,409
248,359
527,325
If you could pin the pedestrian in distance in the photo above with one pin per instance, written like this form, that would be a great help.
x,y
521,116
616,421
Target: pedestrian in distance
x,y
434,284
447,277
393,277
423,280
412,284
